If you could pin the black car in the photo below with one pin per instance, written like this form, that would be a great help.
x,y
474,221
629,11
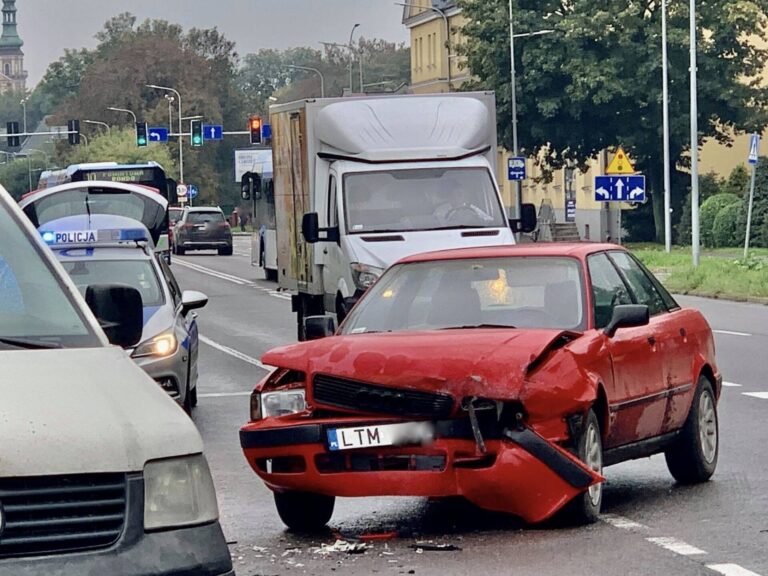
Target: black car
x,y
202,228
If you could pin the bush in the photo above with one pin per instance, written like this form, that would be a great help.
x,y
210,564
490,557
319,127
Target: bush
x,y
709,212
726,229
709,186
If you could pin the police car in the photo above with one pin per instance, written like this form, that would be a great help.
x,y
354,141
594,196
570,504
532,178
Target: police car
x,y
105,249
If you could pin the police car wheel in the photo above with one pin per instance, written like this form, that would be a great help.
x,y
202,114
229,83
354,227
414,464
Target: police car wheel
x,y
303,511
193,397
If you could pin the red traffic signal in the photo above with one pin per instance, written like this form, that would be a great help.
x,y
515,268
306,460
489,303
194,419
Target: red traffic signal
x,y
255,125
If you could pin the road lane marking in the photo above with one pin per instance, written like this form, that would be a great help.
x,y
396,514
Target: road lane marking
x,y
676,546
731,333
731,570
621,522
214,273
731,385
235,353
223,394
761,395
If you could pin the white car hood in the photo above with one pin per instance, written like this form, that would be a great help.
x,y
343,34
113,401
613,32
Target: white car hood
x,y
90,410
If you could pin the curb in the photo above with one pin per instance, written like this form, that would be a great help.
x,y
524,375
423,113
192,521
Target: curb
x,y
742,299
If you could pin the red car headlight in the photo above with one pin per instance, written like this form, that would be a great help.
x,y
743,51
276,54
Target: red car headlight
x,y
277,403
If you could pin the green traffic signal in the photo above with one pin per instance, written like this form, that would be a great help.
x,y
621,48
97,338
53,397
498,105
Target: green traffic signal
x,y
197,132
142,141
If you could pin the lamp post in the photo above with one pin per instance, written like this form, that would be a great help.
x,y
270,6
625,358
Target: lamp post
x,y
695,248
24,108
123,110
181,145
29,164
665,112
171,100
448,45
310,69
97,123
352,55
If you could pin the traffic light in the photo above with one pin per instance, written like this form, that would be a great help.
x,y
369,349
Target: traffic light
x,y
13,128
197,132
73,127
254,126
141,134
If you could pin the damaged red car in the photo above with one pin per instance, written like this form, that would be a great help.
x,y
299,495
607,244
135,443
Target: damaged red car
x,y
509,376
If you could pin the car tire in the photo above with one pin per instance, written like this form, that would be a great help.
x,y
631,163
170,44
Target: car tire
x,y
585,508
693,457
187,404
225,251
304,511
193,397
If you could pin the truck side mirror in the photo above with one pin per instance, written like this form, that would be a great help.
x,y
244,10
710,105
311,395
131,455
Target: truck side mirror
x,y
310,227
316,327
119,310
528,220
627,316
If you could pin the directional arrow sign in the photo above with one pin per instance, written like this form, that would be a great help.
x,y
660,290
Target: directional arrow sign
x,y
620,188
516,168
213,131
158,134
192,191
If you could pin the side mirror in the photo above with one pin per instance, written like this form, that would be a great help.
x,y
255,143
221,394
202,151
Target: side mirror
x,y
627,316
528,219
310,227
192,300
316,327
119,310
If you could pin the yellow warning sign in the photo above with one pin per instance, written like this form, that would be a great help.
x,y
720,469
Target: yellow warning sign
x,y
620,164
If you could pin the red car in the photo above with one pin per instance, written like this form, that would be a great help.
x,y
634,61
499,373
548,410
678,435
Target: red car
x,y
509,376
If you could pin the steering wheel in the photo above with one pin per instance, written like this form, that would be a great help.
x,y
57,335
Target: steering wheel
x,y
463,208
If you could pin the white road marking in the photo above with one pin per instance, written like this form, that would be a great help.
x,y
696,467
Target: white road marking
x,y
731,333
676,546
761,395
223,394
234,353
214,273
731,385
621,522
731,570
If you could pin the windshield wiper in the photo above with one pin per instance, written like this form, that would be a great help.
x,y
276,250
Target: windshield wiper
x,y
28,344
508,326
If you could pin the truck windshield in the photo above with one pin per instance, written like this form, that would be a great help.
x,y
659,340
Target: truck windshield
x,y
35,309
421,199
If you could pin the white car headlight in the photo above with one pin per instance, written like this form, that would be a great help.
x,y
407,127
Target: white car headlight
x,y
178,492
278,403
364,275
162,345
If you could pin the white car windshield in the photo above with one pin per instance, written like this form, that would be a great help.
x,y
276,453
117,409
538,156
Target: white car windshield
x,y
422,199
35,309
519,292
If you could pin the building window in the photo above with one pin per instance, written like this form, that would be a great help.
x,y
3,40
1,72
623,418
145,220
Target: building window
x,y
7,69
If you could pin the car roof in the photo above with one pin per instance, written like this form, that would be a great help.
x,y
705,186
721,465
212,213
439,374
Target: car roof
x,y
578,250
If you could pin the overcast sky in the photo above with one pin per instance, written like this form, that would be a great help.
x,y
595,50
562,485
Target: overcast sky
x,y
49,26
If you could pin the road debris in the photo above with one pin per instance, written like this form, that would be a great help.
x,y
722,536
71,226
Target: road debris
x,y
431,546
342,546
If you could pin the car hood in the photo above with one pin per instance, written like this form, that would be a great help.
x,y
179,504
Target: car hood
x,y
491,363
157,319
83,411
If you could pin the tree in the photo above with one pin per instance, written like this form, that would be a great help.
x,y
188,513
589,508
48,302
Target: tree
x,y
596,81
118,146
16,175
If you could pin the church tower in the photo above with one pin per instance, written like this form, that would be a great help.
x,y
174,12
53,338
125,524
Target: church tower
x,y
12,73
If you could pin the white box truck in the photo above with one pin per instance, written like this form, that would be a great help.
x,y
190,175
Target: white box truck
x,y
361,182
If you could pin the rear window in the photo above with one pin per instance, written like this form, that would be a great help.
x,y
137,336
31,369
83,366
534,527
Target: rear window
x,y
202,217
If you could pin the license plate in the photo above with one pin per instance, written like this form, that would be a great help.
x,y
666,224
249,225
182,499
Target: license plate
x,y
380,435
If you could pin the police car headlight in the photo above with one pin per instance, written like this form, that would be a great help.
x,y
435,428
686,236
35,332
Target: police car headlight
x,y
160,346
277,403
179,492
364,276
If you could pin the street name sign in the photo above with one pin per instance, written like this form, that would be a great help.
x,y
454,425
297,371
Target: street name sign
x,y
620,188
158,134
213,132
516,168
620,164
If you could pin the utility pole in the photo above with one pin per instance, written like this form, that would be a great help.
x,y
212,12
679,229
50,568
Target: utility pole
x,y
665,104
695,241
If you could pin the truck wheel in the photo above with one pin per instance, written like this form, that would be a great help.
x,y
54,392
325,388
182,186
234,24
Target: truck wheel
x,y
585,508
303,511
693,456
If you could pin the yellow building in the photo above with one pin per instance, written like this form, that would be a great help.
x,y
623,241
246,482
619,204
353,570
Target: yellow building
x,y
432,49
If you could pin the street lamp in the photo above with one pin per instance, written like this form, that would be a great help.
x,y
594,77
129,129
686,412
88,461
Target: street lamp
x,y
665,113
97,123
171,100
352,57
695,248
123,110
447,32
24,108
310,69
181,145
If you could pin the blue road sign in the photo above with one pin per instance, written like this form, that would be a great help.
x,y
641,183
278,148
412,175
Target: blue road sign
x,y
158,134
754,148
266,131
516,168
213,131
620,188
192,191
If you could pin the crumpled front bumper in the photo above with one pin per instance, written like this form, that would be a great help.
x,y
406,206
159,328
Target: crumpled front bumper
x,y
520,473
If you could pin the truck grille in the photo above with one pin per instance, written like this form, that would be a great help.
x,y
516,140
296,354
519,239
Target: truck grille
x,y
352,395
56,514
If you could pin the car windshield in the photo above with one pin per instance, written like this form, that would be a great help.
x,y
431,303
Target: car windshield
x,y
520,292
35,309
423,199
138,274
203,217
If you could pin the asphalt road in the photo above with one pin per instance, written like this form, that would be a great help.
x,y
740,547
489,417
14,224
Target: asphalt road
x,y
650,526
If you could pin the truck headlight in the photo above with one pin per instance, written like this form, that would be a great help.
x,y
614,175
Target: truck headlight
x,y
163,345
178,492
277,403
364,275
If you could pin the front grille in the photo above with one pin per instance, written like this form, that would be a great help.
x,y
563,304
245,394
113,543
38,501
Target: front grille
x,y
57,514
352,395
362,462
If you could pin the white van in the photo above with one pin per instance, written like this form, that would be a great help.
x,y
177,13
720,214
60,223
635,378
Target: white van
x,y
100,471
